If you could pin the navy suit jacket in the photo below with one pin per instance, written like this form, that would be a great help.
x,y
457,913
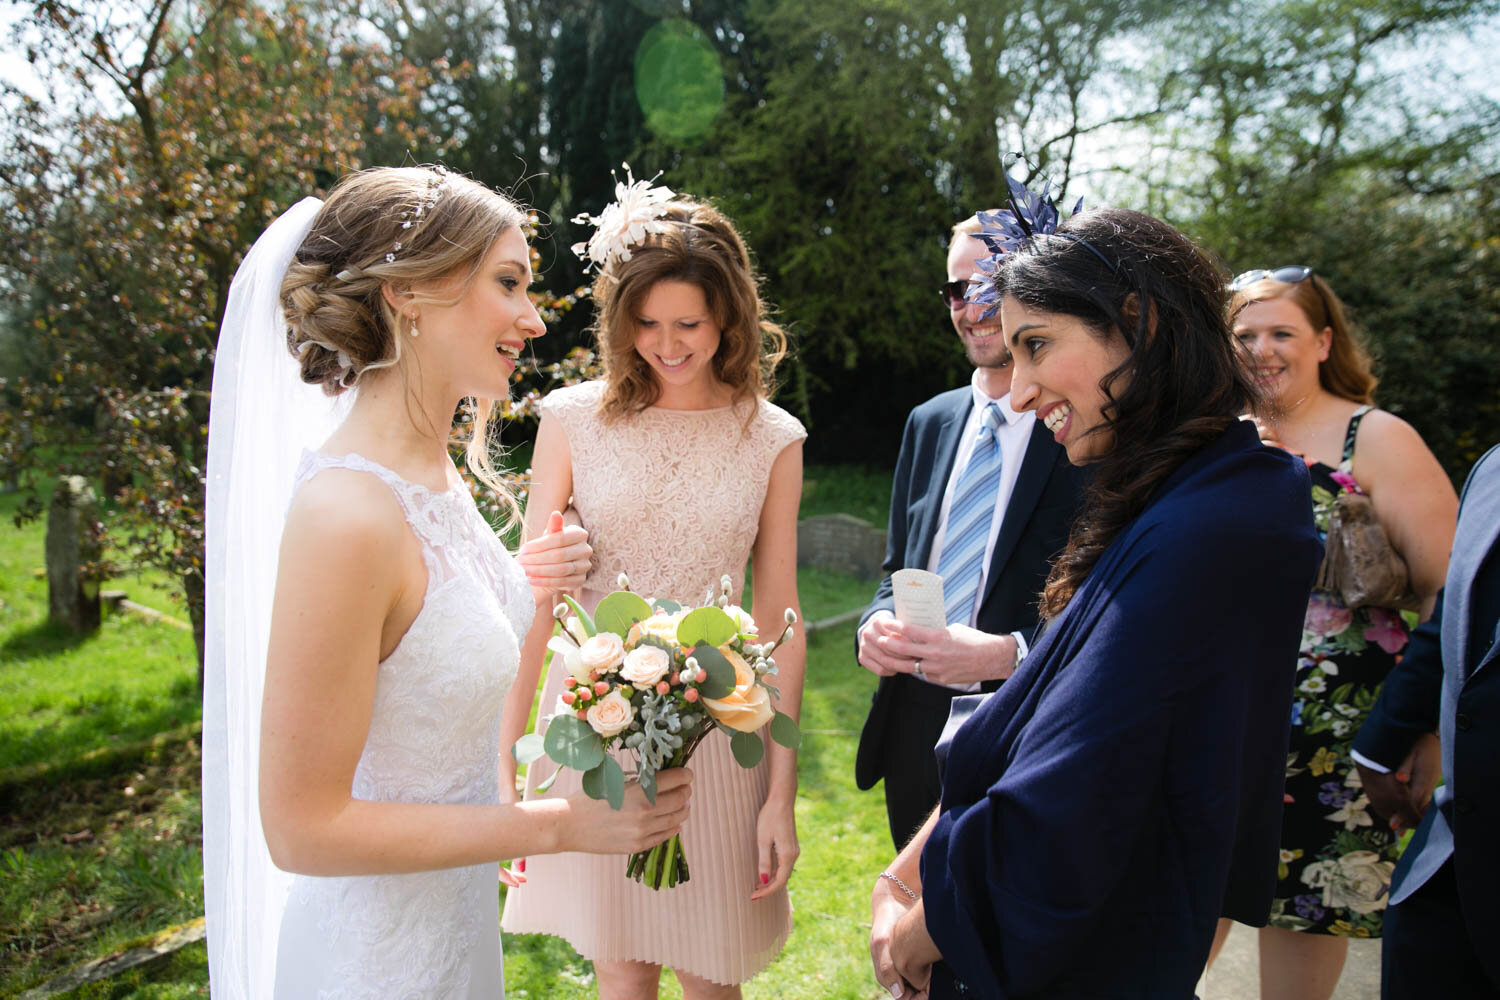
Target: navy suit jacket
x,y
1449,680
1037,519
1122,790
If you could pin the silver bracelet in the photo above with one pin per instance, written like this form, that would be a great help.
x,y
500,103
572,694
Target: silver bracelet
x,y
900,884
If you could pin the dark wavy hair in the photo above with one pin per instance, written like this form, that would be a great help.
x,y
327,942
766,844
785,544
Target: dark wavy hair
x,y
1126,274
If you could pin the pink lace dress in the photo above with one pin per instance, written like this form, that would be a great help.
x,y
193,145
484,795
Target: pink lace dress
x,y
672,498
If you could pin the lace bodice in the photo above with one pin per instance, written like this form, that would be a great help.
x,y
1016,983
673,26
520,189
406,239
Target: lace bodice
x,y
670,497
434,738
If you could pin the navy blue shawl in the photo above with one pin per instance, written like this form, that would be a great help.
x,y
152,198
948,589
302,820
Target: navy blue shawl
x,y
1123,789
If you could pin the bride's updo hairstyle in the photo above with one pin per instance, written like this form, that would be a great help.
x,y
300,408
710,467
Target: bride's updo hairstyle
x,y
700,247
1183,383
411,228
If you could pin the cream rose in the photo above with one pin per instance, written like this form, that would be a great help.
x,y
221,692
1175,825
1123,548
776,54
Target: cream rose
x,y
748,706
1359,881
646,665
660,625
572,661
742,620
610,714
602,652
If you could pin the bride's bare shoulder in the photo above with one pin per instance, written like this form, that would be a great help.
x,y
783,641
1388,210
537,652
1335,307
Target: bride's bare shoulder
x,y
341,514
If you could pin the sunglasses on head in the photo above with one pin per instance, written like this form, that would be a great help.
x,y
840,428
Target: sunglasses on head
x,y
953,293
1287,274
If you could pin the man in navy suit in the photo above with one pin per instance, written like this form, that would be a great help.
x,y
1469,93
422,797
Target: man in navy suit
x,y
1442,919
1026,506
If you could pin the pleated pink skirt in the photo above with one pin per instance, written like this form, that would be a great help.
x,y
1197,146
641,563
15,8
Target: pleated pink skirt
x,y
707,926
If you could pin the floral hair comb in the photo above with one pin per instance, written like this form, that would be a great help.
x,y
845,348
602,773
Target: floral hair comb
x,y
636,211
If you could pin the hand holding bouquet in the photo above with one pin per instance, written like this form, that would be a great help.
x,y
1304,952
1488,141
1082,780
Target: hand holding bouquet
x,y
653,679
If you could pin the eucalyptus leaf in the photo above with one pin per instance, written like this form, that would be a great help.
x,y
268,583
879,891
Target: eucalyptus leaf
x,y
620,610
646,776
528,748
572,743
720,681
748,749
706,626
593,781
583,617
666,606
546,786
785,731
614,782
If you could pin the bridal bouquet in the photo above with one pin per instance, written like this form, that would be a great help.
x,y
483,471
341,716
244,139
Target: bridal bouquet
x,y
653,678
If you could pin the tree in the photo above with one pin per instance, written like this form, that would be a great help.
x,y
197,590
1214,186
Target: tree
x,y
879,127
1305,142
126,215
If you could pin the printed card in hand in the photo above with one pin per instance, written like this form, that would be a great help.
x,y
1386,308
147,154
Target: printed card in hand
x,y
919,598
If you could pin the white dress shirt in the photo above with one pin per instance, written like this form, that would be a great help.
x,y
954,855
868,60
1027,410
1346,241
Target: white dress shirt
x,y
1014,433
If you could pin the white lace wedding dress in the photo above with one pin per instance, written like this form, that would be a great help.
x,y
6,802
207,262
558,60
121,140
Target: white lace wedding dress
x,y
434,737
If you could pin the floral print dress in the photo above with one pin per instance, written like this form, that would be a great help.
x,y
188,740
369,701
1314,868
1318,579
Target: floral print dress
x,y
1334,872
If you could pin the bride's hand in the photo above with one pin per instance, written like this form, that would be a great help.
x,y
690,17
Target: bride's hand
x,y
594,827
557,561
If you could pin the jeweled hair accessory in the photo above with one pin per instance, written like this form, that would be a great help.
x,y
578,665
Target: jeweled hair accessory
x,y
437,178
1010,230
636,212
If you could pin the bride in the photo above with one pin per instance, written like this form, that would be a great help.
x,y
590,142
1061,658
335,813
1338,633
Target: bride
x,y
355,679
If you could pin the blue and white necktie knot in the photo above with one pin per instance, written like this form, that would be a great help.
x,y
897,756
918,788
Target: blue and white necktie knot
x,y
970,517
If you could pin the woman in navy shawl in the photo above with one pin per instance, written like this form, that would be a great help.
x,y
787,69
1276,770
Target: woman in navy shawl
x,y
1122,790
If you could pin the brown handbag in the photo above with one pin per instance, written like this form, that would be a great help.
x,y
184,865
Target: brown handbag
x,y
1359,563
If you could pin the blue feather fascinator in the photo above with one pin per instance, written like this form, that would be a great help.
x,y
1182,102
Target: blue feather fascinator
x,y
1009,230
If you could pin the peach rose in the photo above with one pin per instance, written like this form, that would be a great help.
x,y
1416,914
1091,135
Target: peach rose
x,y
645,665
744,709
610,714
748,706
602,652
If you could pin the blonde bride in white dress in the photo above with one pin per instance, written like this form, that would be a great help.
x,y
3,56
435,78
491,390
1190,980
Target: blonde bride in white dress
x,y
364,622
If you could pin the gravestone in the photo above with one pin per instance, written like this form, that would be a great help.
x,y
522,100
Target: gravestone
x,y
72,597
841,542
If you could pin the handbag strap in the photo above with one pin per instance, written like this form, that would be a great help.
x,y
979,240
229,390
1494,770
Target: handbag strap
x,y
1346,464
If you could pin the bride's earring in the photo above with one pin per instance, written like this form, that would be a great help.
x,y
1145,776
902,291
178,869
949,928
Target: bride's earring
x,y
414,331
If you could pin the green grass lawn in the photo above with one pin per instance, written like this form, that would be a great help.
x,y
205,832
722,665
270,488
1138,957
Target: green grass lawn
x,y
94,858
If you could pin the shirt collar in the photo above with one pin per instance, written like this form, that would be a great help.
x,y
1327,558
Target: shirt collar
x,y
981,400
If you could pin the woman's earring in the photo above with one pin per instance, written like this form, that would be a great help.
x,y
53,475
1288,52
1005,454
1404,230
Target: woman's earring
x,y
414,331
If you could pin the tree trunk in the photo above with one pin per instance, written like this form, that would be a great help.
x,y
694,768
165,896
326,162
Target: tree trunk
x,y
193,591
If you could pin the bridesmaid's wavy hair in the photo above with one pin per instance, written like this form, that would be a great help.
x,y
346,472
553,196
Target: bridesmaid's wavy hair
x,y
1347,372
702,249
1183,383
339,324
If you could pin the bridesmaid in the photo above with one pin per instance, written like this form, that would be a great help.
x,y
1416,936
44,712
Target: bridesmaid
x,y
681,470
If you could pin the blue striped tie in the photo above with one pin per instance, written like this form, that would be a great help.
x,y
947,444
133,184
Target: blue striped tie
x,y
969,520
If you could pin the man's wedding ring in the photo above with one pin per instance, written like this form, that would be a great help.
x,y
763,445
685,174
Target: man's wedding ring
x,y
916,668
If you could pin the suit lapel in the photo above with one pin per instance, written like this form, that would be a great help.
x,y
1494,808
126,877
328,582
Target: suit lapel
x,y
1478,533
944,455
1036,467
